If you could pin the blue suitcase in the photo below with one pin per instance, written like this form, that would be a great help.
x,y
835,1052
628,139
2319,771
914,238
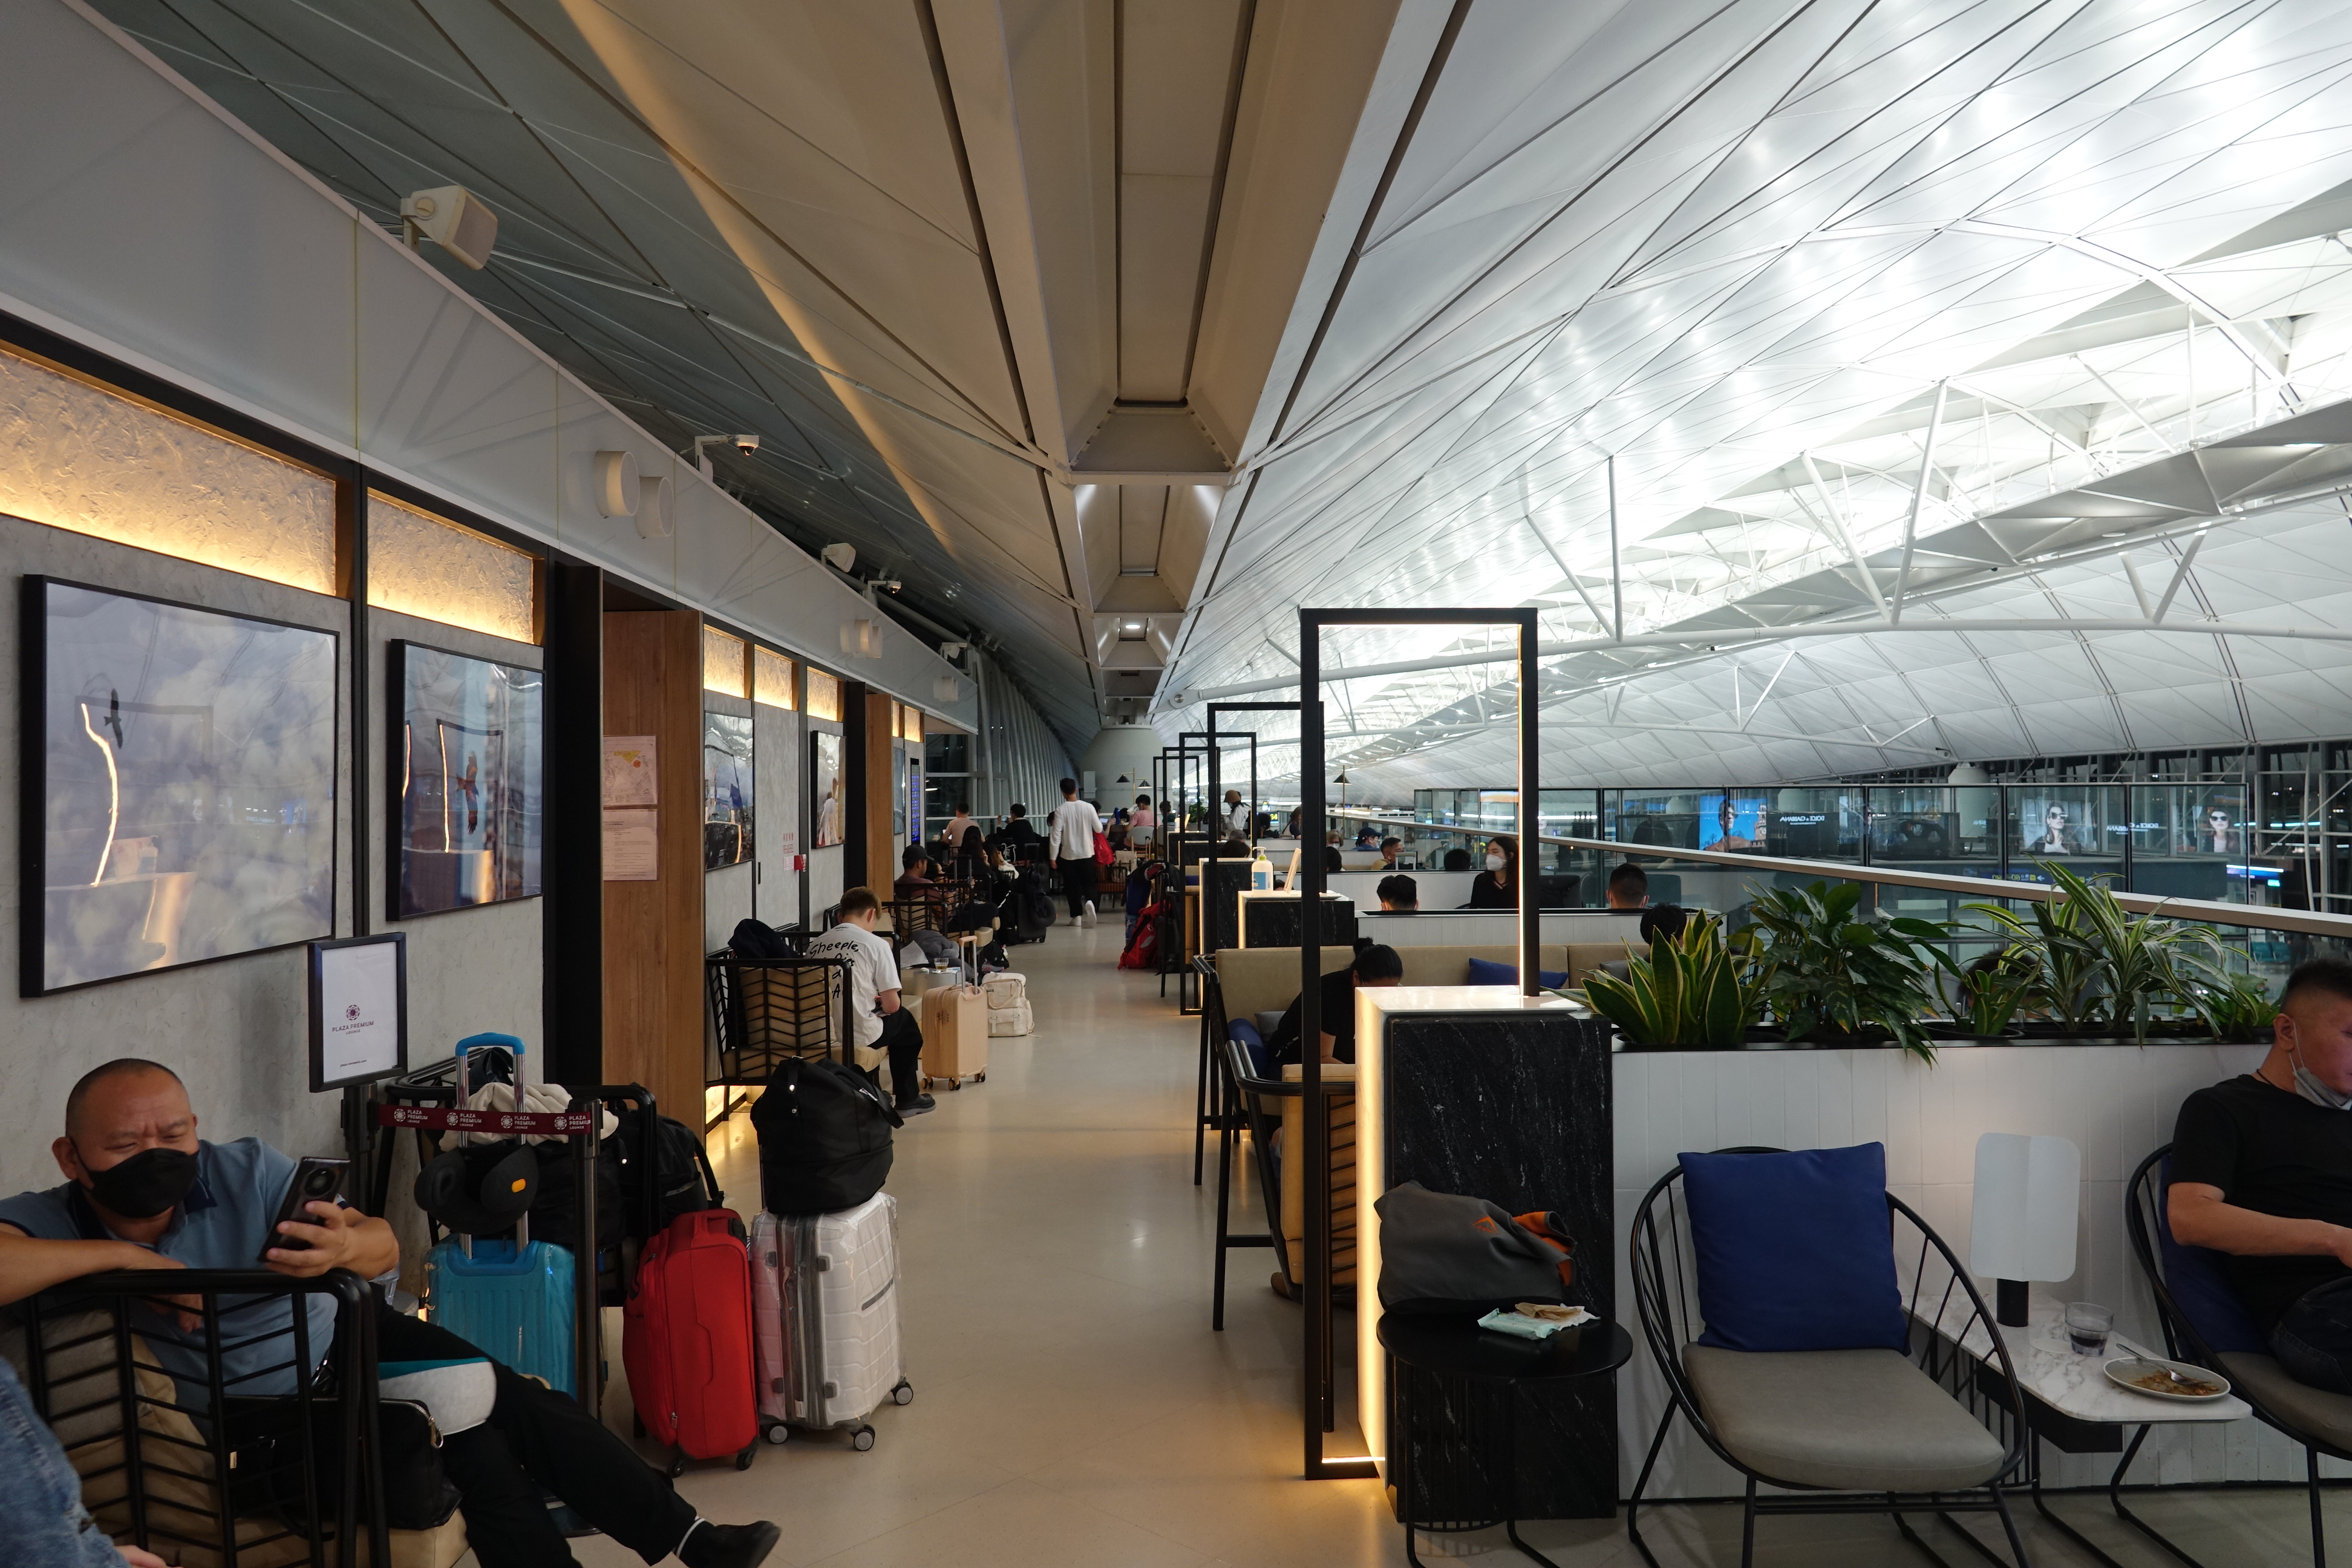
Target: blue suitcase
x,y
515,1307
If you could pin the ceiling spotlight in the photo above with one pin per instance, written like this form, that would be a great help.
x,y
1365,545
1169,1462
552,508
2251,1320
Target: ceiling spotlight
x,y
951,650
617,491
840,557
862,638
657,507
454,219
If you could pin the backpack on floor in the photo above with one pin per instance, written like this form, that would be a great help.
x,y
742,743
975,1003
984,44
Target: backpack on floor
x,y
676,1165
1143,948
825,1138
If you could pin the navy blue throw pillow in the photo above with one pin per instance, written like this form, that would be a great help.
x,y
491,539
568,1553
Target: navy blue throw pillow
x,y
1261,1060
1794,1252
1486,971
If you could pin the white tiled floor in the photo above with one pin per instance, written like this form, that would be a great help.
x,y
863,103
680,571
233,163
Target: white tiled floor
x,y
1072,1405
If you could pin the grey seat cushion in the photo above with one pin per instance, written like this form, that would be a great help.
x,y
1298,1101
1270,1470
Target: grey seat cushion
x,y
2326,1416
1864,1420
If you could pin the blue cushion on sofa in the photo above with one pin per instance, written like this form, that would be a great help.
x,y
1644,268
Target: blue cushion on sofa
x,y
1252,1043
1486,971
2199,1279
1795,1252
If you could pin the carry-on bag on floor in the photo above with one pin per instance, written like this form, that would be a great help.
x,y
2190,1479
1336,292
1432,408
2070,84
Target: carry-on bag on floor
x,y
1010,1021
825,1293
685,1340
1006,987
513,1304
955,1035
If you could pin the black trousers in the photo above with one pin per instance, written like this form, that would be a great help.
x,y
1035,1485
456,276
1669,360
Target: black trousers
x,y
538,1438
2313,1340
1079,882
902,1038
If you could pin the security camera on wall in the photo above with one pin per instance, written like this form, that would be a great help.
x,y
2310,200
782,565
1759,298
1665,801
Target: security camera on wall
x,y
747,444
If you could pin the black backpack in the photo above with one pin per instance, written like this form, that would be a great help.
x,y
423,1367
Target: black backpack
x,y
825,1138
676,1168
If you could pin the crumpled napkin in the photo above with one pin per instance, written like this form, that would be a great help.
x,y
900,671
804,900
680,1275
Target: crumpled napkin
x,y
1532,1328
545,1098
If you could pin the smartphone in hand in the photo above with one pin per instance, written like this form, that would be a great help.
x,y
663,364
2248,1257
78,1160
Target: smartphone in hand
x,y
317,1180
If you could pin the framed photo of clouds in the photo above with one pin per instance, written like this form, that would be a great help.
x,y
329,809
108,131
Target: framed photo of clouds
x,y
466,753
726,790
177,792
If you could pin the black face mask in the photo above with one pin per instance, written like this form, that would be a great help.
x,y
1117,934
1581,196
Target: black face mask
x,y
145,1186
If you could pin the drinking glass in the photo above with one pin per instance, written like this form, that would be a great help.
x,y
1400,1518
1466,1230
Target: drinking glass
x,y
2087,1324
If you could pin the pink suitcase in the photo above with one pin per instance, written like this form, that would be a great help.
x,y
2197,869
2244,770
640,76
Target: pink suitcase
x,y
824,1315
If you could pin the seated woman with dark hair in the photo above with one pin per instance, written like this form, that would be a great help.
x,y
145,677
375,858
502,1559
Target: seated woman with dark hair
x,y
1498,887
1375,965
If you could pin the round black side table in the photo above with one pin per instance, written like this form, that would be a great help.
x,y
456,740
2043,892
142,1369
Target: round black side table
x,y
1457,1348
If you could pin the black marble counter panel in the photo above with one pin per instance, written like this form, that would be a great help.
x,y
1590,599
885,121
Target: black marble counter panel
x,y
1271,919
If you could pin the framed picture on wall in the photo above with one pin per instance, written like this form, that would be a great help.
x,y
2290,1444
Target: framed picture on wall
x,y
179,768
827,806
466,755
726,790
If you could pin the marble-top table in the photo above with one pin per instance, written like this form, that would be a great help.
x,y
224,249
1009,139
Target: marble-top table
x,y
2078,1389
2074,1386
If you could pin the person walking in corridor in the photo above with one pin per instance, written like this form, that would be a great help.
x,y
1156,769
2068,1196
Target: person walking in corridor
x,y
1072,844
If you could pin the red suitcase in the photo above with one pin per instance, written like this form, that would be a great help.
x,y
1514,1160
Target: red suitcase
x,y
685,1340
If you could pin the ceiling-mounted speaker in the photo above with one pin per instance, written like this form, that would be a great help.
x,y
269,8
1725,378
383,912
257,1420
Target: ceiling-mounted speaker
x,y
861,638
657,507
454,219
616,484
946,689
840,557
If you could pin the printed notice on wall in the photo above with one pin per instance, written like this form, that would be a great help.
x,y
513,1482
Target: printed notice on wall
x,y
632,839
629,772
359,1012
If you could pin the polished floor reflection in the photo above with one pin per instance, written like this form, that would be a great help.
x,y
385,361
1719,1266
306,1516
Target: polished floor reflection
x,y
1072,1405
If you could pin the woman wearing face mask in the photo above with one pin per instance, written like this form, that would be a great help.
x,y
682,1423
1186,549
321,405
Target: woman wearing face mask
x,y
1498,887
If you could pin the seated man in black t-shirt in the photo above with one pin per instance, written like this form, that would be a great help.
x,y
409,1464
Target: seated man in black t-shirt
x,y
2261,1169
1375,965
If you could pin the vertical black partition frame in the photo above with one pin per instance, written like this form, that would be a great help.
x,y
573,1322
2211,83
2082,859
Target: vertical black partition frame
x,y
1319,1413
1216,795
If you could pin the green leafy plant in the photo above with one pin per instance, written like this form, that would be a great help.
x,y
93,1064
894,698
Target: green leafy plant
x,y
1700,989
2238,1008
1833,973
1993,988
2104,966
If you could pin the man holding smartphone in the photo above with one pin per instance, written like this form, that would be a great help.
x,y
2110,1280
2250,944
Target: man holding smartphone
x,y
144,1191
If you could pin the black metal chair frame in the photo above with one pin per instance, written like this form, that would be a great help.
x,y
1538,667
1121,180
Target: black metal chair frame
x,y
748,1055
1250,1096
1210,1104
1665,1299
224,1296
2183,1343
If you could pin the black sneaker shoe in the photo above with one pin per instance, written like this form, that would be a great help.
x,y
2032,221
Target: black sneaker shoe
x,y
729,1545
916,1106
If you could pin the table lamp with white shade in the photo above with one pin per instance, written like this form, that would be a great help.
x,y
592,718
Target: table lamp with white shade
x,y
2029,1192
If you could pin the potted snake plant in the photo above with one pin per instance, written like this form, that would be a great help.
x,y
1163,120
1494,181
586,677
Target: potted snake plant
x,y
1699,990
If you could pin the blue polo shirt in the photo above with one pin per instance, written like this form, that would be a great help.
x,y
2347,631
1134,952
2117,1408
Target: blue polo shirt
x,y
222,1223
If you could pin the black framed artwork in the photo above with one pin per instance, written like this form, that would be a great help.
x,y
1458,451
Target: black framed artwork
x,y
466,753
178,768
726,790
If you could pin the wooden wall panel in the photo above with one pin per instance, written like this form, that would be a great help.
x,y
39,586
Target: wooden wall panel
x,y
653,930
881,842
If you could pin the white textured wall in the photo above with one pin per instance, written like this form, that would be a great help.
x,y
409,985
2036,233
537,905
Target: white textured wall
x,y
234,1029
781,756
2116,1102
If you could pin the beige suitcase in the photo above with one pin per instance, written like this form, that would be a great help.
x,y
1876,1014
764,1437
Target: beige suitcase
x,y
1007,1021
955,1035
1006,987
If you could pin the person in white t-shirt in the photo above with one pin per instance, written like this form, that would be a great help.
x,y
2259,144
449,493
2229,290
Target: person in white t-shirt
x,y
1071,846
880,1027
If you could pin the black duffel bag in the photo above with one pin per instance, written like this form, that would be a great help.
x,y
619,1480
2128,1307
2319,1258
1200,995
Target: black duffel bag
x,y
825,1138
1441,1252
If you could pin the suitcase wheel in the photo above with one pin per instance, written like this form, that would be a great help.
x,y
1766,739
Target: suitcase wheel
x,y
904,1393
980,1077
743,1459
862,1439
677,1463
955,1083
778,1433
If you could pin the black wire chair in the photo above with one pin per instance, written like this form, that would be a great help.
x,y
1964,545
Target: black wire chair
x,y
2255,1377
1665,1297
156,1416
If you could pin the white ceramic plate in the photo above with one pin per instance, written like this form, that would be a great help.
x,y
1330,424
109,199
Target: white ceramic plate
x,y
2126,1371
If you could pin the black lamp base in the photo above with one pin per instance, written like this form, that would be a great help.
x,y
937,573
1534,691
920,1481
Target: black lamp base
x,y
2008,1303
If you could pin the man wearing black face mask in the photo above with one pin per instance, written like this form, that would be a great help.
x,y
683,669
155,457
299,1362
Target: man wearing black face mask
x,y
143,1193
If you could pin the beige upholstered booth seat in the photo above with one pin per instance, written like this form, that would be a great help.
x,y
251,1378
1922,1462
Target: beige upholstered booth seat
x,y
2326,1416
1864,1420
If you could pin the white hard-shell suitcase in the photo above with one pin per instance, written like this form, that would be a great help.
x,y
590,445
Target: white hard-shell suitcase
x,y
824,1309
